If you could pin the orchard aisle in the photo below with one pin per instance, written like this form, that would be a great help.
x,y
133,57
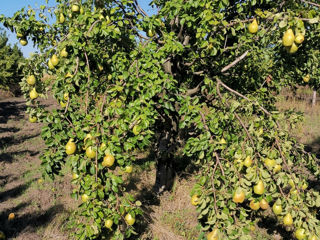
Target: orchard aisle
x,y
39,211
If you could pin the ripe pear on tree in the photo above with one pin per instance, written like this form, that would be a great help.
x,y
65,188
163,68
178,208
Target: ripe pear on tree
x,y
253,26
299,38
288,38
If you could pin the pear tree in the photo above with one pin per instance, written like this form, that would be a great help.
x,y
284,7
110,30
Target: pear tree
x,y
195,82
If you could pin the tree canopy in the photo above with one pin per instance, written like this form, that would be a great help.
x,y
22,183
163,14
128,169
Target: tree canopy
x,y
195,82
10,64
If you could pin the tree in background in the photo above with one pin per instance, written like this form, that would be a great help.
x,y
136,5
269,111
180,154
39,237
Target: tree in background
x,y
11,59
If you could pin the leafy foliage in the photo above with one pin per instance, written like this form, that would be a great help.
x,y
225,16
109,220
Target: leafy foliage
x,y
198,84
10,64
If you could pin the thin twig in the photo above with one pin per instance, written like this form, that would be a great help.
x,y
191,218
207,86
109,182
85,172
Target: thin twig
x,y
240,95
139,8
207,128
311,3
77,67
71,125
237,60
198,73
90,29
96,163
87,99
88,65
193,90
66,109
64,38
87,61
285,161
103,102
214,191
219,162
241,122
251,140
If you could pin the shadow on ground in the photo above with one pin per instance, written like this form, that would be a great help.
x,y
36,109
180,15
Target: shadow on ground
x,y
33,221
314,147
272,226
14,192
10,156
9,109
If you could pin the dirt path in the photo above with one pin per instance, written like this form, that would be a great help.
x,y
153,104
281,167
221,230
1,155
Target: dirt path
x,y
39,210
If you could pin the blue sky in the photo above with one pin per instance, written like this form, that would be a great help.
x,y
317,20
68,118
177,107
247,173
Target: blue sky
x,y
9,7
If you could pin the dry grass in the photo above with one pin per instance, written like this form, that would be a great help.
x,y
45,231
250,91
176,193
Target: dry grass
x,y
176,218
169,216
308,131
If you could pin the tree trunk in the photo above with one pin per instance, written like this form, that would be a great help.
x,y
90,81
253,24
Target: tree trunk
x,y
165,172
314,97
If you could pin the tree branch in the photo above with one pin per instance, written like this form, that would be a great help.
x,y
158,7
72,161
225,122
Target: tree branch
x,y
311,3
90,29
207,128
193,90
75,72
240,95
235,62
139,8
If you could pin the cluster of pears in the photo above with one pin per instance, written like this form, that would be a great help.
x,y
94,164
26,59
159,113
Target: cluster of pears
x,y
53,62
291,42
33,94
239,197
31,80
108,160
23,40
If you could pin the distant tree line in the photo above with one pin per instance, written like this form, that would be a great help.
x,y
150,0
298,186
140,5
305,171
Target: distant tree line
x,y
11,60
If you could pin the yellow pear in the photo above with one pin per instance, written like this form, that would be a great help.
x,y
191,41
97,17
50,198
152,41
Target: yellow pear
x,y
287,220
63,104
108,21
61,18
306,78
23,42
64,53
71,147
259,188
288,38
68,75
253,26
150,33
293,49
54,60
75,8
33,119
84,198
31,80
299,38
20,35
33,94
277,168
108,224
214,235
130,220
238,196
50,65
248,161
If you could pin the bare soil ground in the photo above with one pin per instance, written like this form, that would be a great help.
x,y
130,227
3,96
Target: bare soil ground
x,y
38,207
